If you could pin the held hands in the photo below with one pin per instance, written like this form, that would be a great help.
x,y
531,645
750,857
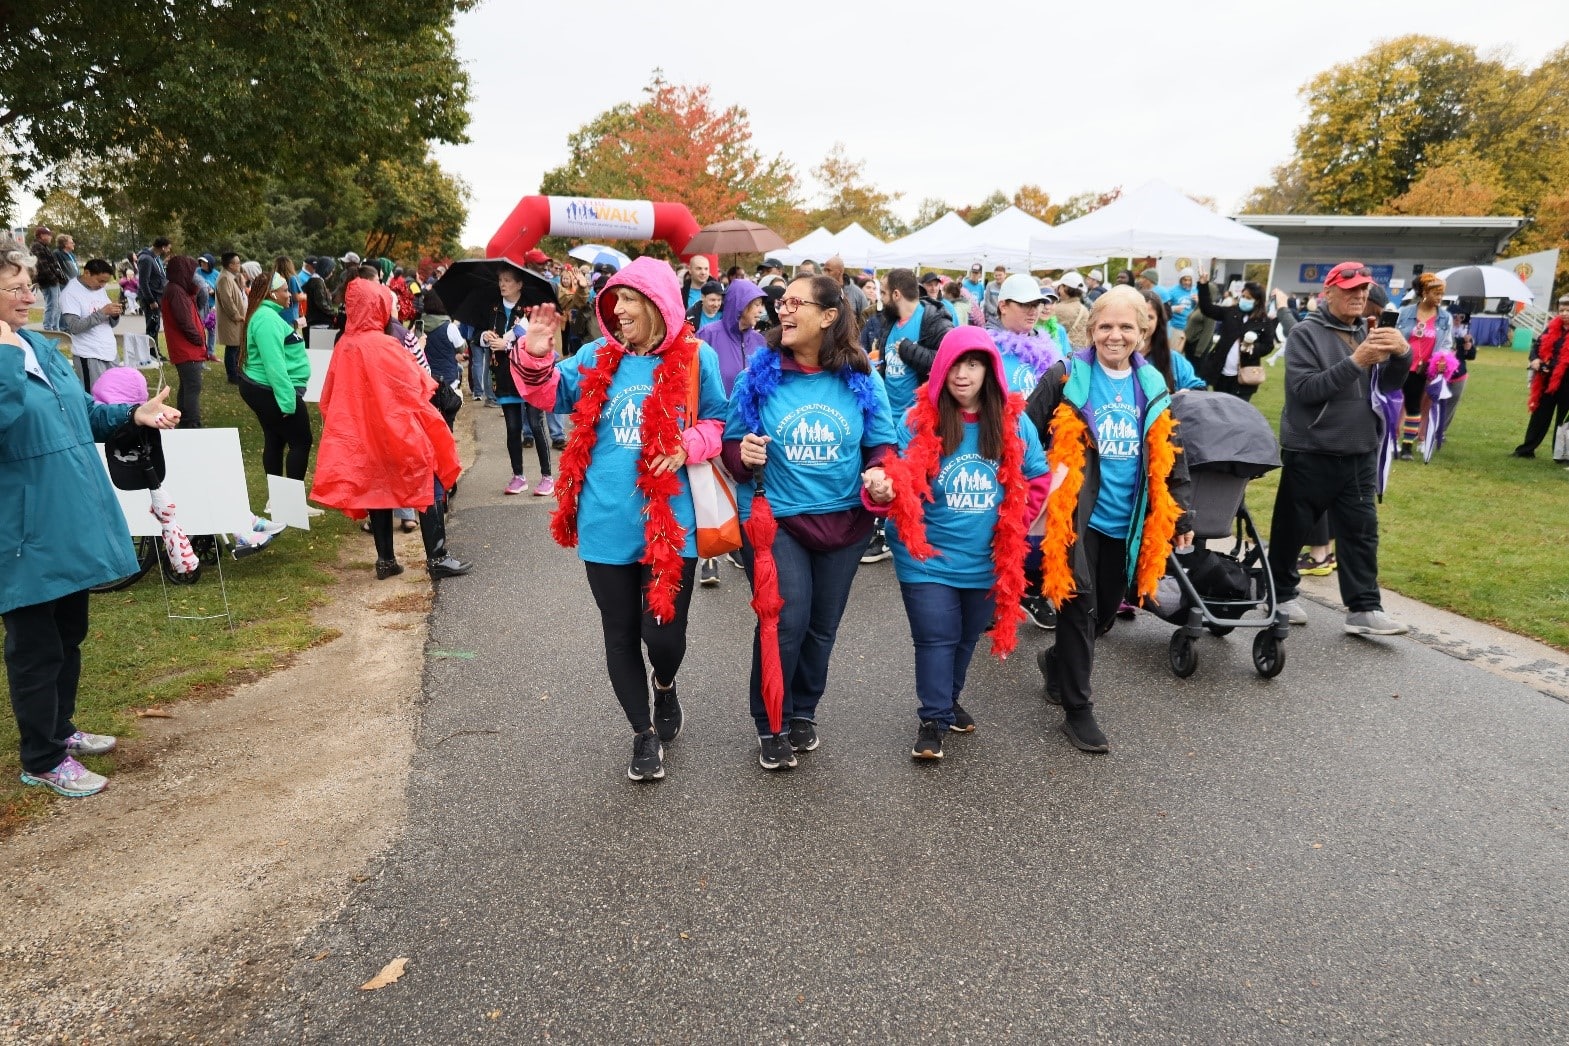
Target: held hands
x,y
539,340
754,451
878,486
154,414
663,463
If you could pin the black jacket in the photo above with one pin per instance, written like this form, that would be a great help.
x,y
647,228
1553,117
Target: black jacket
x,y
318,305
1233,323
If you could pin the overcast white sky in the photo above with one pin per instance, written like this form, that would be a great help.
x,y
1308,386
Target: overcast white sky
x,y
939,103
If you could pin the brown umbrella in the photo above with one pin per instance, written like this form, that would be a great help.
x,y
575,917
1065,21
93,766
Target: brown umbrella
x,y
735,237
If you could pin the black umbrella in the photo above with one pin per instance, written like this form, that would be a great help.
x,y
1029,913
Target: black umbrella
x,y
468,289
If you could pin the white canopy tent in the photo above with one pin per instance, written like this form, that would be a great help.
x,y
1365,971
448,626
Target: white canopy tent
x,y
1155,219
816,245
1007,238
854,245
936,238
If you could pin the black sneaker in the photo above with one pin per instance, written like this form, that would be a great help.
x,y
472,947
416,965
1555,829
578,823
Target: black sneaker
x,y
708,572
1085,733
447,566
803,735
386,568
877,551
667,711
928,742
558,444
1047,660
1040,611
963,722
648,757
773,752
1405,453
528,442
734,559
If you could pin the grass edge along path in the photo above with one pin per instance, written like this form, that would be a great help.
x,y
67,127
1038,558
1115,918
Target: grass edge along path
x,y
136,658
1477,532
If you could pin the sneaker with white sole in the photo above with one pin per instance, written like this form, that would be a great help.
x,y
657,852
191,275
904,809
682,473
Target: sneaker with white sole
x,y
260,525
774,752
81,743
1293,611
648,757
708,572
1373,623
70,779
518,485
545,487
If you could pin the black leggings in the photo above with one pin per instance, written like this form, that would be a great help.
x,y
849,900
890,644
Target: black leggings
x,y
514,413
280,430
432,530
628,627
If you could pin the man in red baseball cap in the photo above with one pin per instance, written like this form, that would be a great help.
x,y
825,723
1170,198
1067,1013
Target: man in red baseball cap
x,y
1330,434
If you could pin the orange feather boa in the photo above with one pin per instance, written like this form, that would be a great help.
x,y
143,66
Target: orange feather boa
x,y
912,475
1069,438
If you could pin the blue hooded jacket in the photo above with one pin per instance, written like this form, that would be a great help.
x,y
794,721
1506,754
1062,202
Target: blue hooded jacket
x,y
734,346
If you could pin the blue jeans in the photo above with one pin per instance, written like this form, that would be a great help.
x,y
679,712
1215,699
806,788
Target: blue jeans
x,y
557,433
945,623
479,374
51,311
815,587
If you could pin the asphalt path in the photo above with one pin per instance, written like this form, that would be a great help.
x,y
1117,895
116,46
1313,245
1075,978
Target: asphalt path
x,y
1371,847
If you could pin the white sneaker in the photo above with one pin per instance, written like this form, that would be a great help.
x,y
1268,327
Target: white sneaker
x,y
1373,623
1293,611
70,779
81,743
267,526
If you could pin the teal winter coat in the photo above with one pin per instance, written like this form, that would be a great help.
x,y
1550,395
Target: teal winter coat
x,y
61,528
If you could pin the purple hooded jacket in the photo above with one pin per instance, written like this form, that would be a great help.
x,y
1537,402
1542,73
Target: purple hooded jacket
x,y
734,346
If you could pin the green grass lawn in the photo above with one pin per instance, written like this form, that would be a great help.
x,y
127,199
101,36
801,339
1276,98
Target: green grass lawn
x,y
135,656
1477,532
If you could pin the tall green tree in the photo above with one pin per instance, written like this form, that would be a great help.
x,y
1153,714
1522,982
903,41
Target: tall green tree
x,y
192,107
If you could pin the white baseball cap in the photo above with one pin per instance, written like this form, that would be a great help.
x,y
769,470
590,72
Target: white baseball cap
x,y
1022,288
1071,279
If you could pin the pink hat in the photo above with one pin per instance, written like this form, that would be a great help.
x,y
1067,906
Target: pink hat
x,y
956,343
120,385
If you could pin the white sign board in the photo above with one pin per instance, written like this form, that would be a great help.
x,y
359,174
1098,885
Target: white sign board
x,y
320,359
587,218
205,481
1536,271
321,337
286,501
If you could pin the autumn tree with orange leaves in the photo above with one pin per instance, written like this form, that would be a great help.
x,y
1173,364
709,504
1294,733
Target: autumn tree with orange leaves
x,y
677,146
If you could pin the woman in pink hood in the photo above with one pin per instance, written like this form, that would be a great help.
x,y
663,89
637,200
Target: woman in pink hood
x,y
645,400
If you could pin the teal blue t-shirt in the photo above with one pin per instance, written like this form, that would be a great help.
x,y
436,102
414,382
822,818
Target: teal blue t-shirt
x,y
1022,376
610,509
962,515
818,430
900,379
703,319
1113,404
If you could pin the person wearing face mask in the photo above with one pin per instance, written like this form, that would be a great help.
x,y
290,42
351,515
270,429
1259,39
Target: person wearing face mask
x,y
1252,314
506,314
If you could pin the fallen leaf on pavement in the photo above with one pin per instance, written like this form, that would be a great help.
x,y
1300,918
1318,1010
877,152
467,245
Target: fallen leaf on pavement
x,y
319,956
389,973
494,1015
153,713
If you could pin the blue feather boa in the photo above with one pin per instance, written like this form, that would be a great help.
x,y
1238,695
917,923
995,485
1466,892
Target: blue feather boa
x,y
761,380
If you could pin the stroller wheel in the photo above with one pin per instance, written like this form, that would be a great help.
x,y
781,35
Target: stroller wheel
x,y
1183,658
1219,630
1269,655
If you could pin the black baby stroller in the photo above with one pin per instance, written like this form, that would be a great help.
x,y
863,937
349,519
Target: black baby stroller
x,y
1226,443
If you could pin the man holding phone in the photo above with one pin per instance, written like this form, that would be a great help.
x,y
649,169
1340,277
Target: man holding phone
x,y
1329,439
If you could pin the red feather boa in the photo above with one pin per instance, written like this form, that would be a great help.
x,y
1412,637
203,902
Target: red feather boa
x,y
912,475
663,410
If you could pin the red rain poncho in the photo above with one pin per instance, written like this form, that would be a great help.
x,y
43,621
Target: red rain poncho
x,y
382,442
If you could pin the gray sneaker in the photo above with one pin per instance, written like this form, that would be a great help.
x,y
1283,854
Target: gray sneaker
x,y
1293,611
81,743
1373,623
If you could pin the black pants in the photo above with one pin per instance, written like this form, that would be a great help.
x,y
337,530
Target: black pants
x,y
1345,487
629,627
432,531
153,316
1548,415
190,395
43,664
515,414
231,363
1088,616
280,430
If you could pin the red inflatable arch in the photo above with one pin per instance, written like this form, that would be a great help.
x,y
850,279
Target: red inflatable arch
x,y
593,219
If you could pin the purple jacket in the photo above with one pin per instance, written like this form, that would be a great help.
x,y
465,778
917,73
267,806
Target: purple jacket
x,y
733,346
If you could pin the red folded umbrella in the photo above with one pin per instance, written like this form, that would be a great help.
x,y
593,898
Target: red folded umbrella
x,y
767,603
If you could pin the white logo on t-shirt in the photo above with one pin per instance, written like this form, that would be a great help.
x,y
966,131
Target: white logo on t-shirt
x,y
969,484
626,416
814,434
